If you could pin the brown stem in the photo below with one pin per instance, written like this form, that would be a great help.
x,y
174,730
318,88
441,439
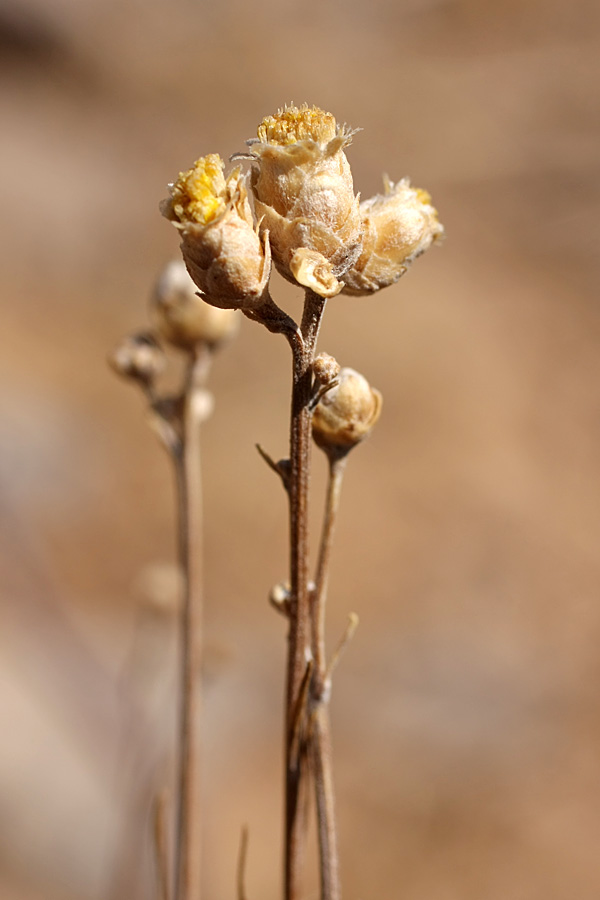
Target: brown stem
x,y
322,761
187,465
303,351
321,753
161,847
337,466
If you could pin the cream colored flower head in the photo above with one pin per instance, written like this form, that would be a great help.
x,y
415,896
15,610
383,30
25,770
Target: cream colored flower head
x,y
304,196
346,414
221,247
399,225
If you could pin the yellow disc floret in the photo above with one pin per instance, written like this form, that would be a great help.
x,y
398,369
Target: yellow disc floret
x,y
293,124
198,195
424,197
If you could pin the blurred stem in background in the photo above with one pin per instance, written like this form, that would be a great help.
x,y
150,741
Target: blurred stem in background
x,y
186,457
185,321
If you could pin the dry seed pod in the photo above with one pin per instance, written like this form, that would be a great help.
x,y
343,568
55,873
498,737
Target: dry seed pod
x,y
399,225
182,317
346,414
304,196
138,357
221,248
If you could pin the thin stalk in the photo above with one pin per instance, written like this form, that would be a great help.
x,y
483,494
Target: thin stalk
x,y
321,752
161,847
337,466
322,762
303,352
188,841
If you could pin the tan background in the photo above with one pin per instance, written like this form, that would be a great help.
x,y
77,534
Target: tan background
x,y
466,714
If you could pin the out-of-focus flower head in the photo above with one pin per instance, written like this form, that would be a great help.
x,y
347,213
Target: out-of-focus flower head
x,y
304,196
221,247
182,317
399,225
138,357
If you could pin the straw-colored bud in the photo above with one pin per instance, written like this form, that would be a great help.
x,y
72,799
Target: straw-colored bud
x,y
399,225
346,414
304,196
326,368
181,315
138,357
220,244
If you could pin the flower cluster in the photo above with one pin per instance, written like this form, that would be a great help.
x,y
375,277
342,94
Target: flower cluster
x,y
309,220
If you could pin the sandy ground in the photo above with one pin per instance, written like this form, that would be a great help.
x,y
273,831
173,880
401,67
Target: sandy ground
x,y
466,715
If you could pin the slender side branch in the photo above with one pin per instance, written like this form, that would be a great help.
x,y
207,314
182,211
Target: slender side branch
x,y
337,467
161,847
241,866
189,484
345,639
303,352
321,753
321,757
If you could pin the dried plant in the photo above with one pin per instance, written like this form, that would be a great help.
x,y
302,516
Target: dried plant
x,y
309,222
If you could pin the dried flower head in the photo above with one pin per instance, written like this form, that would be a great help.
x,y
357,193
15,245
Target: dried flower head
x,y
399,225
182,317
304,196
220,244
346,414
138,357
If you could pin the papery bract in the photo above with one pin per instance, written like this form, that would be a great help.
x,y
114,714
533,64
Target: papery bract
x,y
399,225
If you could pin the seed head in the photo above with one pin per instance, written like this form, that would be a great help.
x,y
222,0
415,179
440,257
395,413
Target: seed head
x,y
399,225
182,317
304,195
221,248
346,414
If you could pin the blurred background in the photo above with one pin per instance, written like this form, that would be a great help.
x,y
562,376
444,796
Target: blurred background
x,y
466,713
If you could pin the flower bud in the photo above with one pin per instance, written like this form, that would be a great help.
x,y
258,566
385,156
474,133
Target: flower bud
x,y
399,225
326,368
182,317
220,244
138,357
345,415
304,195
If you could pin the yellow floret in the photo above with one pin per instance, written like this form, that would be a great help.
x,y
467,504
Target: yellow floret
x,y
424,197
292,124
199,194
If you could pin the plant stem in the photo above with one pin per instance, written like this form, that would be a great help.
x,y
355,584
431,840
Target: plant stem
x,y
322,761
161,847
303,352
321,753
189,485
337,467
